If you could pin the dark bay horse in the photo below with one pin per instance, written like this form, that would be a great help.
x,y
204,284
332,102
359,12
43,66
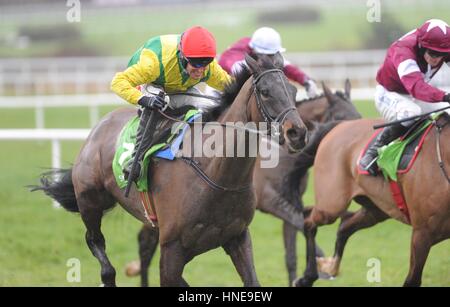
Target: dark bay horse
x,y
193,217
271,184
269,181
337,182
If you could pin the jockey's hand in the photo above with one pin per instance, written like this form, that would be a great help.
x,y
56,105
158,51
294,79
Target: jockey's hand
x,y
152,102
311,88
447,97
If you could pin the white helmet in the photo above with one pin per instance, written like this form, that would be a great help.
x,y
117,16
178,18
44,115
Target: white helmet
x,y
266,41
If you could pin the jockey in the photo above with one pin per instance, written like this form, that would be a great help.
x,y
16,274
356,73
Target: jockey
x,y
173,63
403,90
264,41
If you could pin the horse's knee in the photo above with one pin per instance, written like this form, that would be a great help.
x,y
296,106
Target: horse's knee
x,y
320,217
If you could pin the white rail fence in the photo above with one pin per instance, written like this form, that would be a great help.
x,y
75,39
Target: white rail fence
x,y
40,103
55,136
95,101
40,76
82,75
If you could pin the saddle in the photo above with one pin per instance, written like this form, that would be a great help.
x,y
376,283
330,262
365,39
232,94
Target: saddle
x,y
164,125
166,142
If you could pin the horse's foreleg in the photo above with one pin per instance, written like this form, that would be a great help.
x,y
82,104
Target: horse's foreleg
x,y
350,223
148,239
306,213
290,247
96,241
310,275
171,265
420,247
240,250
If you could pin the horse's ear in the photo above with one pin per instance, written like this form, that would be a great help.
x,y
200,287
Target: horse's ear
x,y
328,94
348,88
278,61
252,64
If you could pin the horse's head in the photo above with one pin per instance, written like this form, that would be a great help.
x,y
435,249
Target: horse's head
x,y
340,104
275,102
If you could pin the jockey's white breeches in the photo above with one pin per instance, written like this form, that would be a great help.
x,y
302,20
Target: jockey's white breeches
x,y
394,106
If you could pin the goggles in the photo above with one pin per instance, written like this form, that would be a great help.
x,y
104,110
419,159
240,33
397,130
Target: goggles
x,y
436,54
199,62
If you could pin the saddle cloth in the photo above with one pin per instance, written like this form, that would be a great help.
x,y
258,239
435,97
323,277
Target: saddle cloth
x,y
165,149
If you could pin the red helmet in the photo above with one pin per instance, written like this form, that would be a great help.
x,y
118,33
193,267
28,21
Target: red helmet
x,y
197,42
434,34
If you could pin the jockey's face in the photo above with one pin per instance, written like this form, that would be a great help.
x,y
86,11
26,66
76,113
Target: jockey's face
x,y
432,59
195,73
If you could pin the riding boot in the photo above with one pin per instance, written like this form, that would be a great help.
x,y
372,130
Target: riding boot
x,y
390,133
146,143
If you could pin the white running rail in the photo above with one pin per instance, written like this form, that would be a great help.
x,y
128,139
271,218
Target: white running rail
x,y
53,135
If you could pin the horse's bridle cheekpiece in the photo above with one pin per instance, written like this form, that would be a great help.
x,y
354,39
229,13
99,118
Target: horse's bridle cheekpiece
x,y
280,118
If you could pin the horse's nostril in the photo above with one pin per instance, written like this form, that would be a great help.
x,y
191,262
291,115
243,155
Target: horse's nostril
x,y
292,133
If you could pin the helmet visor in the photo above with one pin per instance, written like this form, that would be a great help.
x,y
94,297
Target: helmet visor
x,y
199,62
436,54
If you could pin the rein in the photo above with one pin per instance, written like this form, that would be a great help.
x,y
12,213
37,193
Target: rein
x,y
195,165
212,123
438,148
197,95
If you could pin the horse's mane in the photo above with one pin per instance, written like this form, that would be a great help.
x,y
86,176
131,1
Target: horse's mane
x,y
232,89
310,99
229,94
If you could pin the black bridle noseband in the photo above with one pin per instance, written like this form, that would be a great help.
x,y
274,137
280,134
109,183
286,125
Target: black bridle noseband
x,y
280,118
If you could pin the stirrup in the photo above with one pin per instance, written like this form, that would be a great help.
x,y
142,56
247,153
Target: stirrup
x,y
370,167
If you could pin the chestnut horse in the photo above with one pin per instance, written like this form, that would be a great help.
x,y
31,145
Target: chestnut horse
x,y
268,184
194,214
426,190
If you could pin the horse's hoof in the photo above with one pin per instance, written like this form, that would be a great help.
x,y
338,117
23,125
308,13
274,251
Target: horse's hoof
x,y
133,268
325,276
327,267
302,282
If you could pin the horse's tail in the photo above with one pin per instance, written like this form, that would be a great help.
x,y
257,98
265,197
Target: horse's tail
x,y
303,162
57,183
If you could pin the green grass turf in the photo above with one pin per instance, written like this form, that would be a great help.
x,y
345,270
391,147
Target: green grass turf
x,y
36,240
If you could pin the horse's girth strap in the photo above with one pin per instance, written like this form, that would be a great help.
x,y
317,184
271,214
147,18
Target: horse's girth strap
x,y
149,207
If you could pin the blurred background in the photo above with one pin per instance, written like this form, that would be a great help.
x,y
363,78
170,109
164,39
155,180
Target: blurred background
x,y
56,65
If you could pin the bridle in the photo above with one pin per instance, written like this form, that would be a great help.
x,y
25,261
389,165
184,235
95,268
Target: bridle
x,y
280,118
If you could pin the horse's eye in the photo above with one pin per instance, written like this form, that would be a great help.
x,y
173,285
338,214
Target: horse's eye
x,y
265,92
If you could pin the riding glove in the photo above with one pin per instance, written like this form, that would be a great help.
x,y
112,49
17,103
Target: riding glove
x,y
447,97
152,102
311,88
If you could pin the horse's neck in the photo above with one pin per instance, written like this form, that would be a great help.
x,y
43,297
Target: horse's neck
x,y
235,171
313,109
238,112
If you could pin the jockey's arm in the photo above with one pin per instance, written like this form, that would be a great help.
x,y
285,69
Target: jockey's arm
x,y
146,70
219,77
294,73
413,79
